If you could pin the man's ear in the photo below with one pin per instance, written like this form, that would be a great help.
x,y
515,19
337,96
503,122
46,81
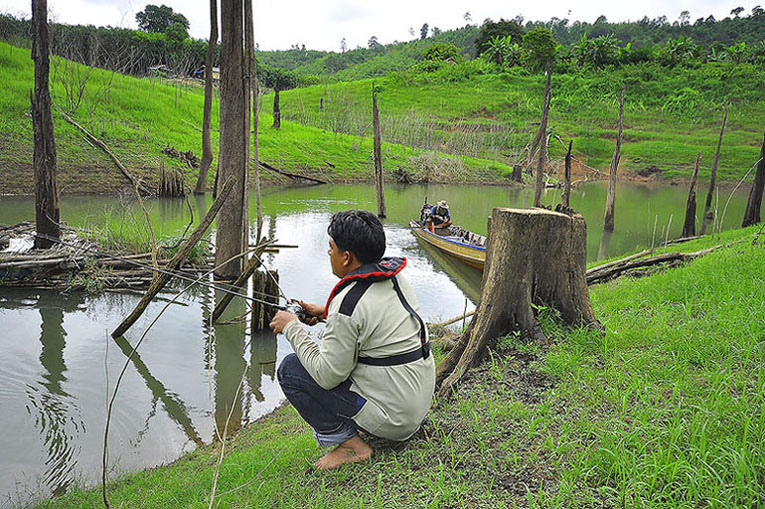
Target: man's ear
x,y
348,258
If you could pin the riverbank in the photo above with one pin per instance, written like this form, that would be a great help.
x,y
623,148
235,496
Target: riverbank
x,y
665,410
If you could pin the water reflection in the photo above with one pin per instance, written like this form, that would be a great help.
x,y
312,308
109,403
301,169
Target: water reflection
x,y
55,413
229,366
171,401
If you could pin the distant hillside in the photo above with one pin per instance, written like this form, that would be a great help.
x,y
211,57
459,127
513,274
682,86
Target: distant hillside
x,y
670,113
138,117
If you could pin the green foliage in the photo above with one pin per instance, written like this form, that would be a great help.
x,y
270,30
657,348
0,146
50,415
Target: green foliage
x,y
442,51
503,52
502,29
159,18
277,79
538,49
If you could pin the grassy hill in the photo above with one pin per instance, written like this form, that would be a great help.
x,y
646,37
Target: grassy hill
x,y
670,114
137,118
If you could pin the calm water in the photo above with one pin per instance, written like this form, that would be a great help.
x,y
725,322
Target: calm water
x,y
58,358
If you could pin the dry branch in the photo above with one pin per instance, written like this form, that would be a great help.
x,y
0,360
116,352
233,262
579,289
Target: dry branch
x,y
161,279
105,148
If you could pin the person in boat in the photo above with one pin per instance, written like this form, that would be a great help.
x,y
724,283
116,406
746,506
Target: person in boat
x,y
373,371
439,216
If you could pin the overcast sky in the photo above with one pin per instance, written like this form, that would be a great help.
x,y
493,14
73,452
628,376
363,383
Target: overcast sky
x,y
321,24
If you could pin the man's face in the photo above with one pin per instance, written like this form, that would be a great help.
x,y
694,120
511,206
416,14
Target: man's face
x,y
337,259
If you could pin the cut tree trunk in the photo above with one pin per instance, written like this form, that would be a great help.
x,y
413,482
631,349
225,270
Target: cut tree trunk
x,y
253,73
523,271
231,237
277,112
207,153
752,213
379,181
44,158
708,214
608,221
566,197
689,227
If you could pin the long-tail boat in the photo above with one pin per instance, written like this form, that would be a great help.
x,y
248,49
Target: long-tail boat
x,y
464,245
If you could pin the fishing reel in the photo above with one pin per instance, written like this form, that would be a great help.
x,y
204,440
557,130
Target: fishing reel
x,y
296,309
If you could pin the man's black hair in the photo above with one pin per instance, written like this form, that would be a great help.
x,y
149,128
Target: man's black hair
x,y
359,232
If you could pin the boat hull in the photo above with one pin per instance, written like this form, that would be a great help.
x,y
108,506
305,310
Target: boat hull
x,y
471,255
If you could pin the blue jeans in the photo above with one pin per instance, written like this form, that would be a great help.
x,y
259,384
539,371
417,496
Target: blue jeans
x,y
328,412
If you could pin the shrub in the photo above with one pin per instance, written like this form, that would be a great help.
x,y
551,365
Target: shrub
x,y
442,51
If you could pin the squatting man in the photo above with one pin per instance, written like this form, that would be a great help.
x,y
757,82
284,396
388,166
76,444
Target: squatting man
x,y
373,371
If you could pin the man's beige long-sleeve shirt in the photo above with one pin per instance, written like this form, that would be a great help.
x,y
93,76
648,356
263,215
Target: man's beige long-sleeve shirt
x,y
398,397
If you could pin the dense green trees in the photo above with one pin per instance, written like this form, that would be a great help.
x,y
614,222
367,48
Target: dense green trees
x,y
159,18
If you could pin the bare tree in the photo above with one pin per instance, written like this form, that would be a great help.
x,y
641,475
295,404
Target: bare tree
x,y
44,159
207,153
689,226
708,215
232,234
752,213
377,140
253,73
608,221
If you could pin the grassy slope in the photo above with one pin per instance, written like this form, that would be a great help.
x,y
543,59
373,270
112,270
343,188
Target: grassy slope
x,y
139,117
667,409
670,114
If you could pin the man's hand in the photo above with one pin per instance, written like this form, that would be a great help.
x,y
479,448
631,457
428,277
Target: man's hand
x,y
315,310
280,321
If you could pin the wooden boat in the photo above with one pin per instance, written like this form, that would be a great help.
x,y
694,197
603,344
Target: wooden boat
x,y
455,241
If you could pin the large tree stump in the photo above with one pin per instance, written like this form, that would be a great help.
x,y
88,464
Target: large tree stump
x,y
534,257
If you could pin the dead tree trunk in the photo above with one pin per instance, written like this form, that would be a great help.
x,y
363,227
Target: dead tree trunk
x,y
752,213
253,73
541,134
522,271
207,154
708,214
566,197
379,181
516,175
689,227
608,221
232,235
277,111
44,158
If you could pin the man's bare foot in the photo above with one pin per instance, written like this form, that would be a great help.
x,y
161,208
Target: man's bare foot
x,y
351,451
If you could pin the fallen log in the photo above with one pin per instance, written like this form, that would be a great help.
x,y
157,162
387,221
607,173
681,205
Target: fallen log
x,y
161,278
290,175
614,269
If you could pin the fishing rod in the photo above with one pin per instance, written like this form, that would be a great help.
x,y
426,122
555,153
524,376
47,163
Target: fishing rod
x,y
291,306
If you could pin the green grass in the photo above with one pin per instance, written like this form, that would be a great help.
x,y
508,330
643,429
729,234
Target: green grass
x,y
670,114
665,410
137,118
